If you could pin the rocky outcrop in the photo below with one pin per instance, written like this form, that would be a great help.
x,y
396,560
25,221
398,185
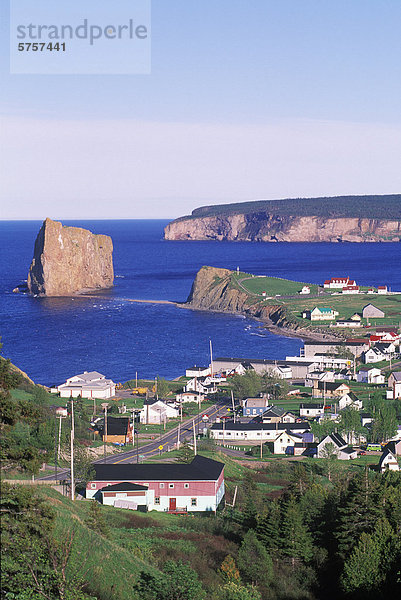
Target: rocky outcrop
x,y
69,260
266,227
215,290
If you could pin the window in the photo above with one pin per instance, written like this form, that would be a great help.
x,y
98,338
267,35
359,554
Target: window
x,y
193,502
186,485
93,486
171,485
157,500
162,485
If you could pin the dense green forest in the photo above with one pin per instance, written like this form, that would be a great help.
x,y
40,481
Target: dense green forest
x,y
371,207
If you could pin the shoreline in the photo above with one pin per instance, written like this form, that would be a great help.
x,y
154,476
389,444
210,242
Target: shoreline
x,y
269,325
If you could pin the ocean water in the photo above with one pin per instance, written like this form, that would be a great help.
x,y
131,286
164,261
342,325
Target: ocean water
x,y
54,338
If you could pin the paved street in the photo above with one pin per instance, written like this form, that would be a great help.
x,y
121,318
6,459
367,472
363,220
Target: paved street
x,y
168,440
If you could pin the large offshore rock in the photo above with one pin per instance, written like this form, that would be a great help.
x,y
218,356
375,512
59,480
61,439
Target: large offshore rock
x,y
68,260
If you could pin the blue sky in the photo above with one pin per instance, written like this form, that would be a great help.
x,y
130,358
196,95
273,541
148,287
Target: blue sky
x,y
246,100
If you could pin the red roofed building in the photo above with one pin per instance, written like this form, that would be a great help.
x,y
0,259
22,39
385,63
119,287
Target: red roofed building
x,y
351,289
337,282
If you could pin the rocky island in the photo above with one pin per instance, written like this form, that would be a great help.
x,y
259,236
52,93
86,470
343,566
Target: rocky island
x,y
331,219
69,260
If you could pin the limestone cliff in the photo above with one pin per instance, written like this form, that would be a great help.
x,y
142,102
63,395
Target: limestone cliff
x,y
213,289
265,227
337,219
216,290
68,260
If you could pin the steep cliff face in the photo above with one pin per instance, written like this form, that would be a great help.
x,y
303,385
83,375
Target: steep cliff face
x,y
213,290
266,227
68,260
216,290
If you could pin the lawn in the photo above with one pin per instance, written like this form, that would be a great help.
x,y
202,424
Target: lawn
x,y
271,285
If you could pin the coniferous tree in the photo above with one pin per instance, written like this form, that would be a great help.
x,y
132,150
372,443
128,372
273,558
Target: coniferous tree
x,y
366,569
254,562
296,538
268,527
358,513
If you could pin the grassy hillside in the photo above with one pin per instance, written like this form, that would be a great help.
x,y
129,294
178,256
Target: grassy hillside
x,y
371,207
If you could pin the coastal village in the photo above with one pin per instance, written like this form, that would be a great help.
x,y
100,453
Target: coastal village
x,y
243,464
320,405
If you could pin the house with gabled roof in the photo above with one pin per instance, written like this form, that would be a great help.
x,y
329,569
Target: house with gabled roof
x,y
196,397
284,441
276,414
330,389
370,310
371,375
157,412
168,487
337,282
320,313
350,400
255,406
338,445
119,430
373,355
394,383
88,385
388,461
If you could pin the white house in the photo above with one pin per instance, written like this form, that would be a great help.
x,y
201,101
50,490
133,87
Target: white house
x,y
305,290
196,385
373,355
88,385
371,375
284,440
388,462
382,289
255,432
350,323
350,400
337,283
322,313
309,410
190,397
335,443
394,383
157,412
351,289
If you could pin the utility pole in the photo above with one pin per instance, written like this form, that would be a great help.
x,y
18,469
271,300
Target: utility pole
x,y
55,442
232,401
195,448
72,450
211,359
178,436
136,379
59,440
105,405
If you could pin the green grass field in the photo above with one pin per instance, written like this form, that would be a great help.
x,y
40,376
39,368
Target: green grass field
x,y
270,285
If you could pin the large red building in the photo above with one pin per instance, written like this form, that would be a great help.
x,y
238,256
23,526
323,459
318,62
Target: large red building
x,y
197,486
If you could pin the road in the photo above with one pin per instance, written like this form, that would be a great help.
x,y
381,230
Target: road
x,y
168,440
